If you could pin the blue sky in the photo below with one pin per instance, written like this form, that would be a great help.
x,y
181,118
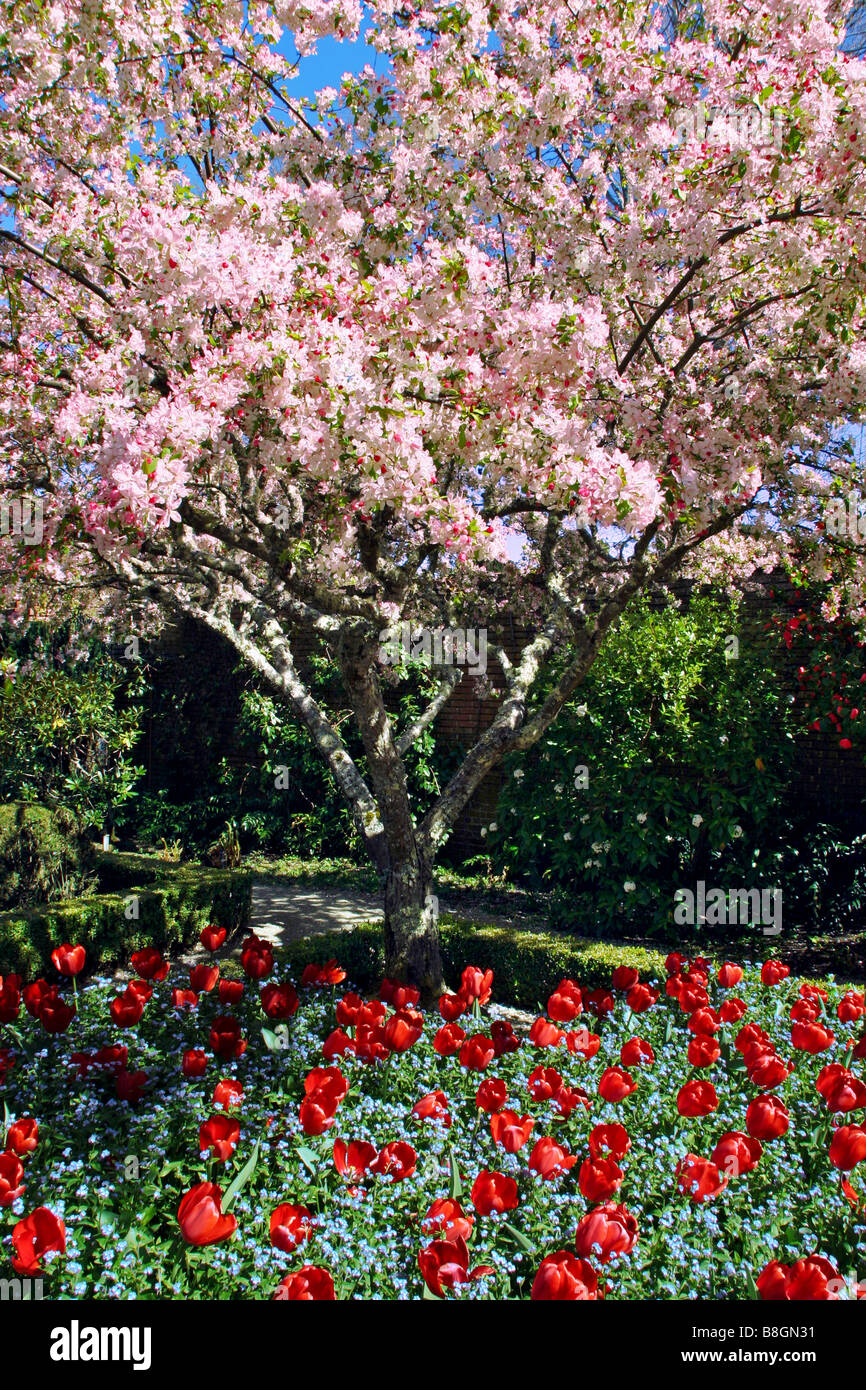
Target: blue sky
x,y
325,68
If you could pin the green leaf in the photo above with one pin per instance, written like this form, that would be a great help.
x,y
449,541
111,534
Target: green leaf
x,y
455,1191
308,1158
241,1179
429,1294
517,1236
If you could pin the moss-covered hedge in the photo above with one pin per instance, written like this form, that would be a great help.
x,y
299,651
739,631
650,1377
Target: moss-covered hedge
x,y
43,856
174,902
527,965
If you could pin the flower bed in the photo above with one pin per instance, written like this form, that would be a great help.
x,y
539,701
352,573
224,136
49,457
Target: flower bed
x,y
210,1137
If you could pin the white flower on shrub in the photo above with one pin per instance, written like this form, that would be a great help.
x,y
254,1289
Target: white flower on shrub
x,y
518,773
492,826
697,820
567,835
558,788
629,886
584,819
484,832
737,832
597,848
581,711
641,818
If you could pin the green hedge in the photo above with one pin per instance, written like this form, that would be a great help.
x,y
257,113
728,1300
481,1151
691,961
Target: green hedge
x,y
527,965
174,902
43,856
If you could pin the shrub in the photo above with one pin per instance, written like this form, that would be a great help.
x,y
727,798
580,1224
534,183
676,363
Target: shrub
x,y
69,720
174,902
528,965
670,766
42,855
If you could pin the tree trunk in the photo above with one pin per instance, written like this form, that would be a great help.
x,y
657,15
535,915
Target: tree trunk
x,y
412,928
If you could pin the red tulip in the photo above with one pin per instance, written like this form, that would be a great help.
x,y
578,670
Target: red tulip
x,y
194,1062
290,1226
149,964
730,975
600,1002
140,990
55,1014
848,1147
773,972
10,997
599,1178
307,1285
183,999
257,958
563,1276
566,1002
476,1052
445,1263
279,1001
433,1107
811,1279
624,977
851,1006
609,1139
126,1009
212,937
606,1232
69,960
220,1134
731,1010
451,1006
130,1085
203,977
700,1179
230,991
22,1136
201,1218
584,1042
767,1118
640,998
548,1159
503,1037
449,1040
491,1095
841,1089
398,995
476,984
811,1037
396,1160
403,1030
11,1174
225,1037
703,1051
32,995
615,1084
353,1160
736,1153
328,974
228,1093
34,1237
637,1052
510,1130
767,1070
492,1191
448,1220
697,1098
545,1034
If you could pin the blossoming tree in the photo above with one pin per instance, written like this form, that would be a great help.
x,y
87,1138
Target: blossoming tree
x,y
562,301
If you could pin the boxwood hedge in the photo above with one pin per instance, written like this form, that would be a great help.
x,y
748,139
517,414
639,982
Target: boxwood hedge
x,y
172,902
527,965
